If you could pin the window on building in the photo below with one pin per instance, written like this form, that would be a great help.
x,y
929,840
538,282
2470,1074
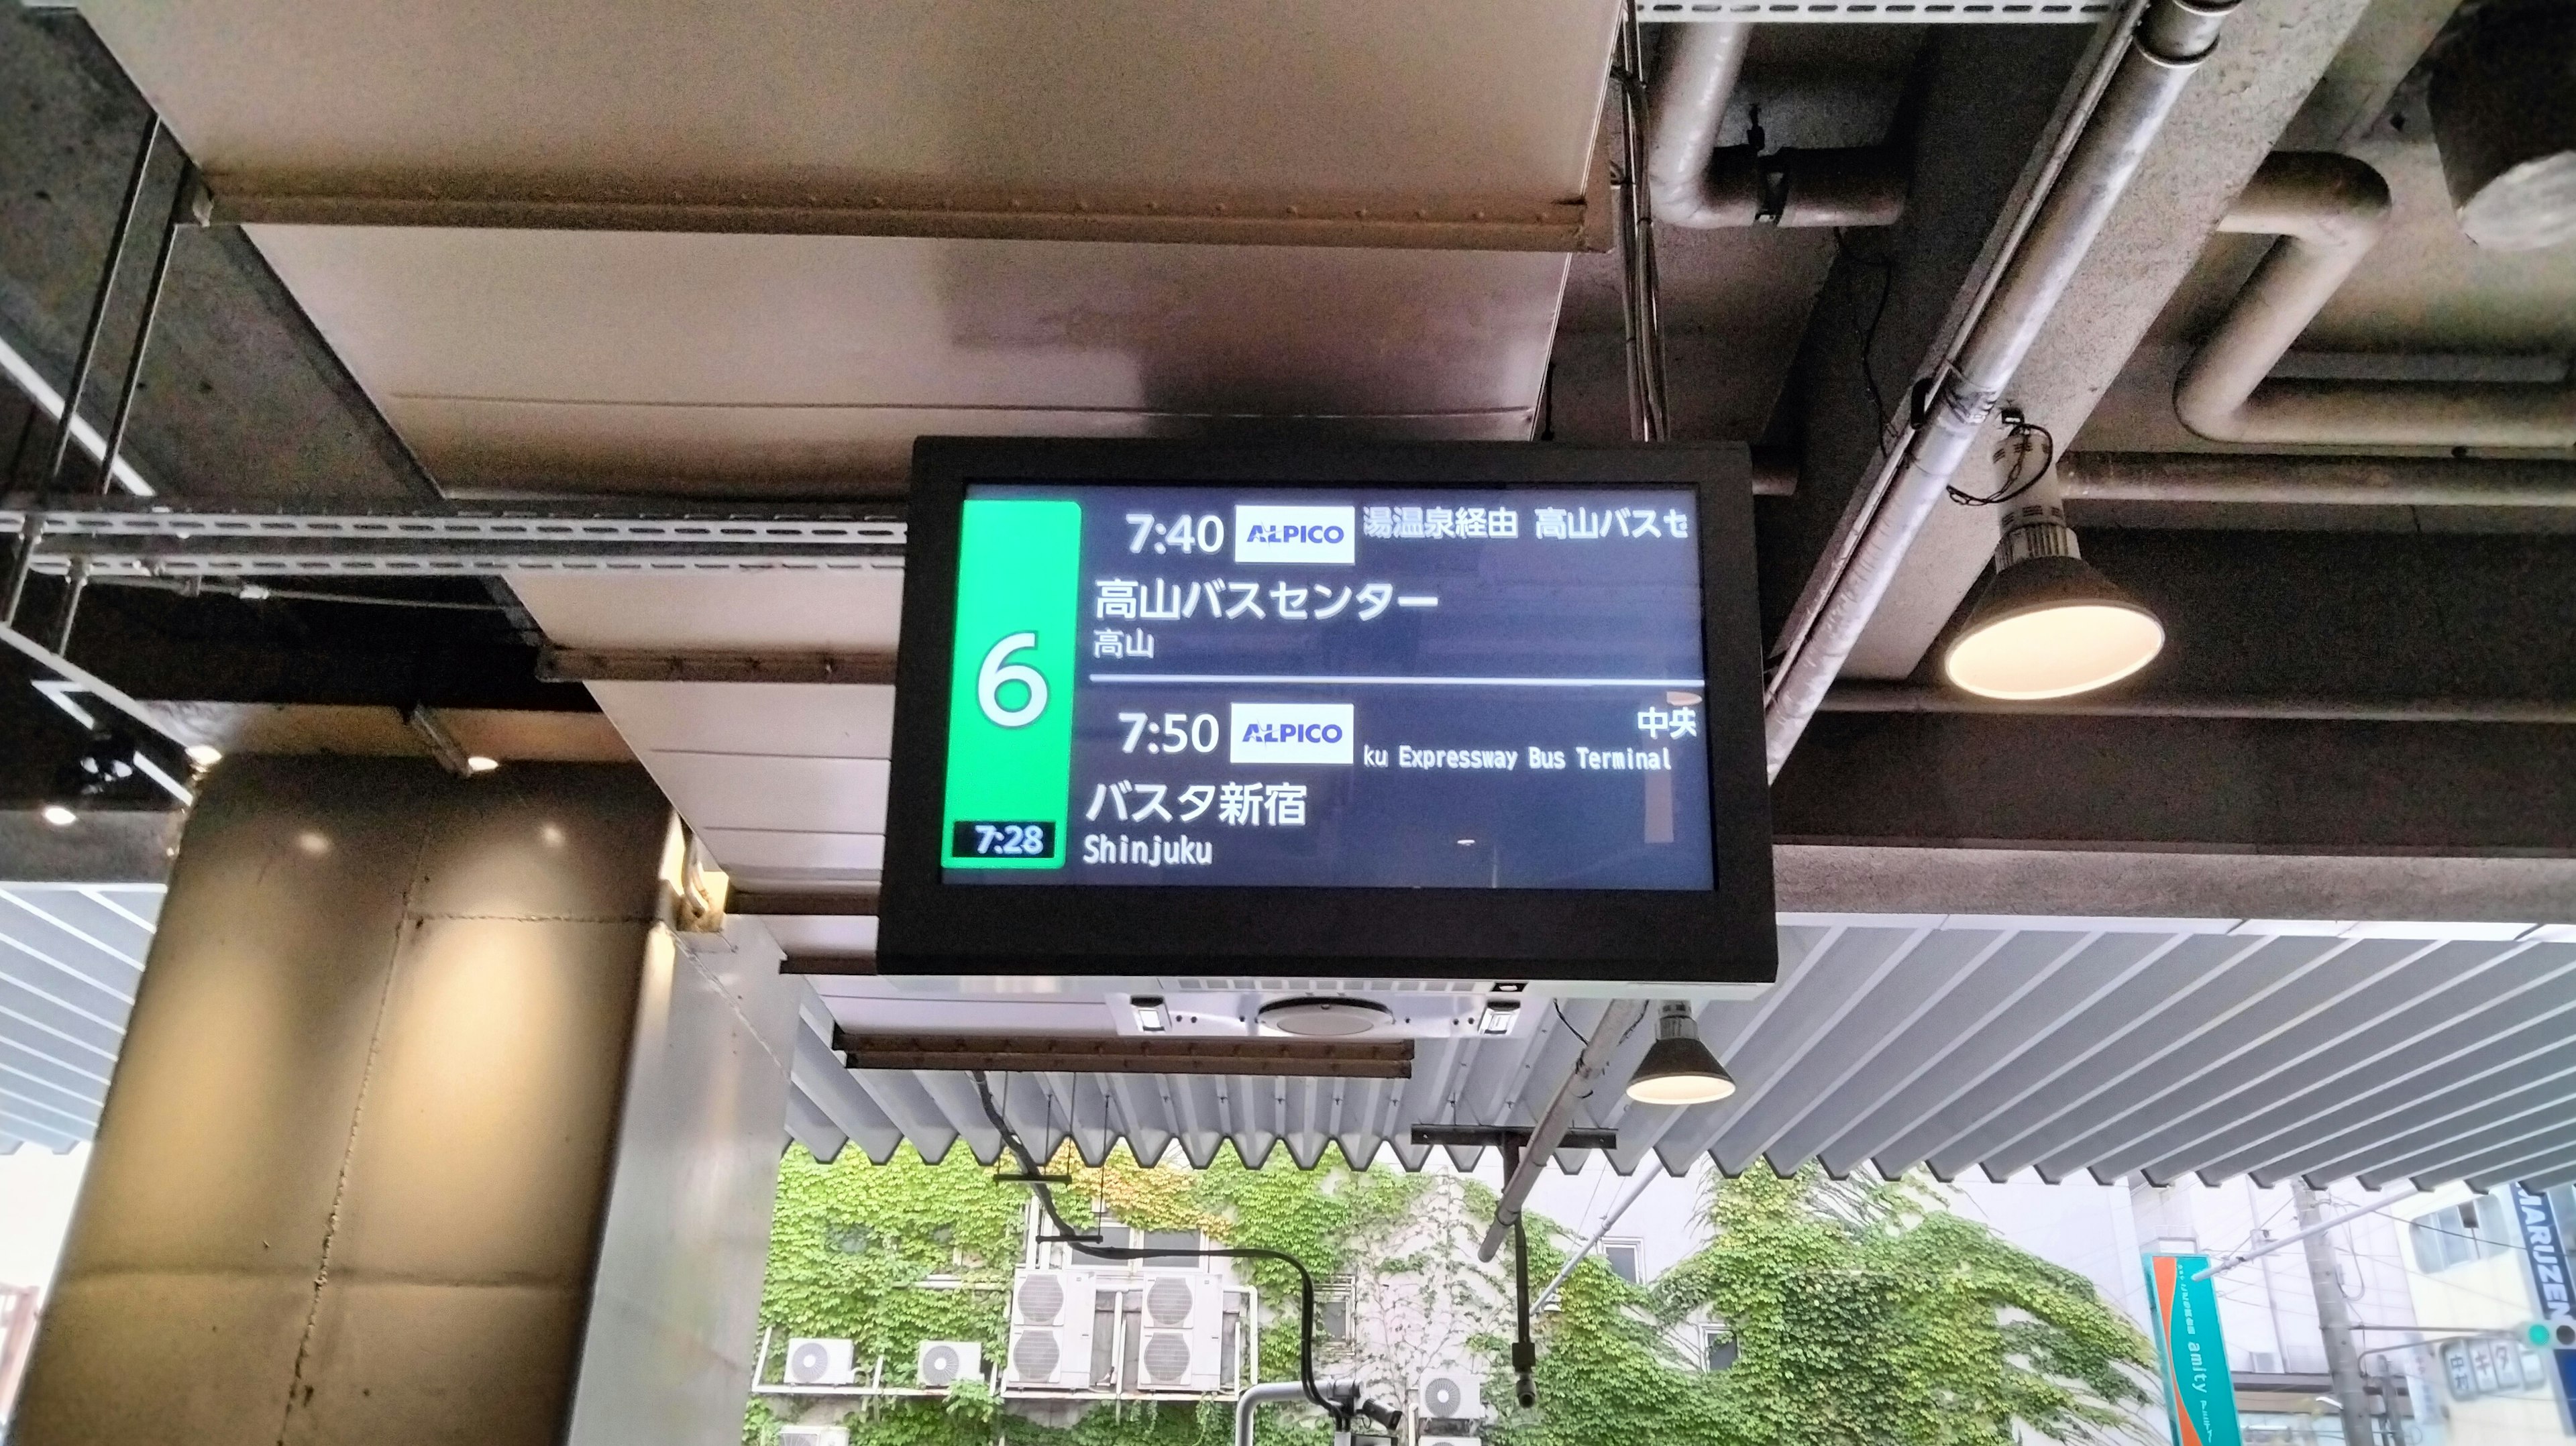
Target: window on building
x,y
2459,1234
1173,1240
1621,1257
1333,1309
1718,1349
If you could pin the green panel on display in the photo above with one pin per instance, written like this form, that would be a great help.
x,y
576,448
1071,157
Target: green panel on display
x,y
1010,709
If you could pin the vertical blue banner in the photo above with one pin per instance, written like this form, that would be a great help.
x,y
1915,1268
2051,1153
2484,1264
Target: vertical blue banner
x,y
2535,1223
2200,1397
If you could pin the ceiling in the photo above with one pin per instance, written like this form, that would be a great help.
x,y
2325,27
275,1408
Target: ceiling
x,y
552,354
70,957
754,251
2159,1048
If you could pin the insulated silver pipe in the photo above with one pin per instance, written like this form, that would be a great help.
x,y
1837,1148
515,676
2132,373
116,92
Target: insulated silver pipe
x,y
1617,1021
2329,211
1694,183
2171,40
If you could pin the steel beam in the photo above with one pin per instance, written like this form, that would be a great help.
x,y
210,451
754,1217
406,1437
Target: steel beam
x,y
1018,213
1121,1054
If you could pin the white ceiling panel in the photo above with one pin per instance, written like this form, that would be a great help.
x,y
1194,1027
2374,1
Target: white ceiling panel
x,y
760,858
1445,96
810,720
824,936
781,611
748,790
728,362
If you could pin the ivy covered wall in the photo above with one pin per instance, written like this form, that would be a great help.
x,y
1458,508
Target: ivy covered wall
x,y
1861,1312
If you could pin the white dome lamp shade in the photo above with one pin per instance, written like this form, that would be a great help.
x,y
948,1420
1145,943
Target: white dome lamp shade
x,y
1678,1069
2049,624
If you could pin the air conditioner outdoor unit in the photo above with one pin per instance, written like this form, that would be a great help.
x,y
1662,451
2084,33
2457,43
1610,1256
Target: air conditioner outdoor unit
x,y
1449,1395
813,1436
1184,1340
945,1363
821,1362
1050,1337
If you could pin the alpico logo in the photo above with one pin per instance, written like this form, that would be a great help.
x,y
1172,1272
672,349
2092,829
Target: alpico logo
x,y
1265,533
1289,733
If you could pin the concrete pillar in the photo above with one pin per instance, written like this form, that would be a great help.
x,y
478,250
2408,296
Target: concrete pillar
x,y
426,1129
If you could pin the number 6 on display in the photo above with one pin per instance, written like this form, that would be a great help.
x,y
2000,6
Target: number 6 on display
x,y
995,672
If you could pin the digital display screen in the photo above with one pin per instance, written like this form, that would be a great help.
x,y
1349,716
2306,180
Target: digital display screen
x,y
1364,687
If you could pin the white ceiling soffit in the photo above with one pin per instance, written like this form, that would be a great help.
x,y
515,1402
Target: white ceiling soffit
x,y
2116,1047
682,360
786,782
664,362
70,958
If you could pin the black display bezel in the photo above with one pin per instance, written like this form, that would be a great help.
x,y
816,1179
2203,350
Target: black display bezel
x,y
928,926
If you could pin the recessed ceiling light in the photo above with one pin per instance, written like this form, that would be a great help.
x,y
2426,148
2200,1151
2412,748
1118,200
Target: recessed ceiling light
x,y
59,815
480,763
1499,1016
204,755
1151,1016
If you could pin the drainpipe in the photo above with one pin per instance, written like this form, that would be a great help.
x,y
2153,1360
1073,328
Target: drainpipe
x,y
2168,45
1253,1398
1696,183
2329,210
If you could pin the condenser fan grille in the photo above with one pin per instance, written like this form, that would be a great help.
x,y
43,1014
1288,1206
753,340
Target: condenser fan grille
x,y
1041,1299
1168,1302
1167,1356
1035,1355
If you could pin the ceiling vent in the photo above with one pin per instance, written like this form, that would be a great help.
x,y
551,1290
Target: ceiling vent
x,y
1320,1018
2504,116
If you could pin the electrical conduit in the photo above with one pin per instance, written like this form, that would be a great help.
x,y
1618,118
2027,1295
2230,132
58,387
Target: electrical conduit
x,y
2163,52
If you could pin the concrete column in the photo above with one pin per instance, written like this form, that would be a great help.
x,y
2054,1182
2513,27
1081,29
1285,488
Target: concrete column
x,y
414,1074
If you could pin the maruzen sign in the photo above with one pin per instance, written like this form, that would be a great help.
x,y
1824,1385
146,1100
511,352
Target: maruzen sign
x,y
1264,533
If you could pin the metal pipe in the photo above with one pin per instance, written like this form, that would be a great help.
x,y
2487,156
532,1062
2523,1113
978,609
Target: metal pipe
x,y
115,448
88,354
1256,1396
75,586
1636,1189
1617,1022
2218,478
2329,211
22,565
1694,182
2167,47
1907,698
1640,288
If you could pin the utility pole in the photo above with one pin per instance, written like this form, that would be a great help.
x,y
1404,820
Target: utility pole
x,y
2334,1322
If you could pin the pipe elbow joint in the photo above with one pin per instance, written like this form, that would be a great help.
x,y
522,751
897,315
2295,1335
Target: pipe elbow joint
x,y
2323,196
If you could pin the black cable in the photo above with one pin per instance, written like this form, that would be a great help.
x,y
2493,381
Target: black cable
x,y
2019,430
1869,335
1569,1024
1067,1235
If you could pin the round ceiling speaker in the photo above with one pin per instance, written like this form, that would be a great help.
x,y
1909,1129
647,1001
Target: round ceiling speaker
x,y
1325,1018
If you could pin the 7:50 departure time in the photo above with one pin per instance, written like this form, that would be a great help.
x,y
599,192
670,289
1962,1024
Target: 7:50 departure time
x,y
1177,733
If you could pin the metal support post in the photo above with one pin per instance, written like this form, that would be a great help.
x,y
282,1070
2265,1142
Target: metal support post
x,y
2334,1319
1638,284
181,199
98,305
75,584
22,562
1524,1350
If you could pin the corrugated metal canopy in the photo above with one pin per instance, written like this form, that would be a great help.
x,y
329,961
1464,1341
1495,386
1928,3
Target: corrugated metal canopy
x,y
2114,1047
70,957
